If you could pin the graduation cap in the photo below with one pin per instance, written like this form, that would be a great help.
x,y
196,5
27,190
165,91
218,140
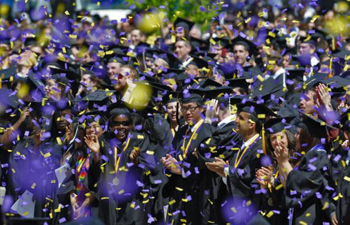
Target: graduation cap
x,y
337,84
238,82
72,76
69,66
296,73
316,127
30,41
211,92
239,40
188,97
35,83
186,24
173,70
200,63
197,44
315,79
6,74
259,111
101,98
277,124
267,88
208,83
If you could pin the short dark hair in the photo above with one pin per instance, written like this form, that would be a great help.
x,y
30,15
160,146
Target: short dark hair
x,y
258,124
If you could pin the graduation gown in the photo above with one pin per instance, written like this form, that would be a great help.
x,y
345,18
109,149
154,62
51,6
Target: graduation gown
x,y
183,190
242,185
120,194
309,188
343,203
272,208
223,143
32,170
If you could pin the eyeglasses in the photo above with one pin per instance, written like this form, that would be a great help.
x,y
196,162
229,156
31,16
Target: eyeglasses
x,y
191,109
124,123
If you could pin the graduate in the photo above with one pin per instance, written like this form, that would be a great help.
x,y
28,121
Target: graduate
x,y
308,184
119,166
278,131
239,174
184,177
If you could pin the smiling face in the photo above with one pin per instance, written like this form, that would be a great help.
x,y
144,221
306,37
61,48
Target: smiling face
x,y
182,50
171,110
191,112
121,125
243,123
240,54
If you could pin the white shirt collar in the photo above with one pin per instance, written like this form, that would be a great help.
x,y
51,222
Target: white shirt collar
x,y
249,140
195,126
226,121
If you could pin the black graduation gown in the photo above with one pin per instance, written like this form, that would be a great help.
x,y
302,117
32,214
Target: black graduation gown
x,y
223,143
272,208
121,196
183,192
242,186
157,179
343,203
32,170
309,188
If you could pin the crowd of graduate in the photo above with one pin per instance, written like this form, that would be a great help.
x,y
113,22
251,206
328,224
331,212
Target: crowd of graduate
x,y
246,123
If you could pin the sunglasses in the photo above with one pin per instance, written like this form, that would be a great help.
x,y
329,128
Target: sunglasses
x,y
124,123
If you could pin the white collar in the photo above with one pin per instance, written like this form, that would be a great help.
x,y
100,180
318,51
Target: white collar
x,y
226,121
195,126
249,140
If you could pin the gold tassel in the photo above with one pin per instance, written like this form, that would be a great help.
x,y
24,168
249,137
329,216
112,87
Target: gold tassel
x,y
330,68
263,139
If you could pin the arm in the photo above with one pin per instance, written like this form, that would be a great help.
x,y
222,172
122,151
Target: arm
x,y
5,138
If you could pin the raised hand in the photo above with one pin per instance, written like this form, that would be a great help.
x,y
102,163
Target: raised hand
x,y
24,114
281,152
93,143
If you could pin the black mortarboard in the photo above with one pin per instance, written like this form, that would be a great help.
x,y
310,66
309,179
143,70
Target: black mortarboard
x,y
206,55
337,84
315,79
208,83
72,76
101,98
267,88
174,70
239,40
308,39
186,24
211,92
296,73
278,124
6,74
200,63
94,116
35,83
316,127
119,111
188,97
68,66
238,82
259,111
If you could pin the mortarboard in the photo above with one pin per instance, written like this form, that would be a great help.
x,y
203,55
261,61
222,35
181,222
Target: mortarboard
x,y
190,97
238,82
316,127
72,76
101,98
8,99
200,63
267,88
208,83
259,111
186,24
278,124
296,73
211,92
337,84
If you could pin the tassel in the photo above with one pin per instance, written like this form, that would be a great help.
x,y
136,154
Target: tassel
x,y
330,67
263,139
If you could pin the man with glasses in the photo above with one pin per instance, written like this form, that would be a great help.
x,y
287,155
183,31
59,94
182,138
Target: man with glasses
x,y
183,166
